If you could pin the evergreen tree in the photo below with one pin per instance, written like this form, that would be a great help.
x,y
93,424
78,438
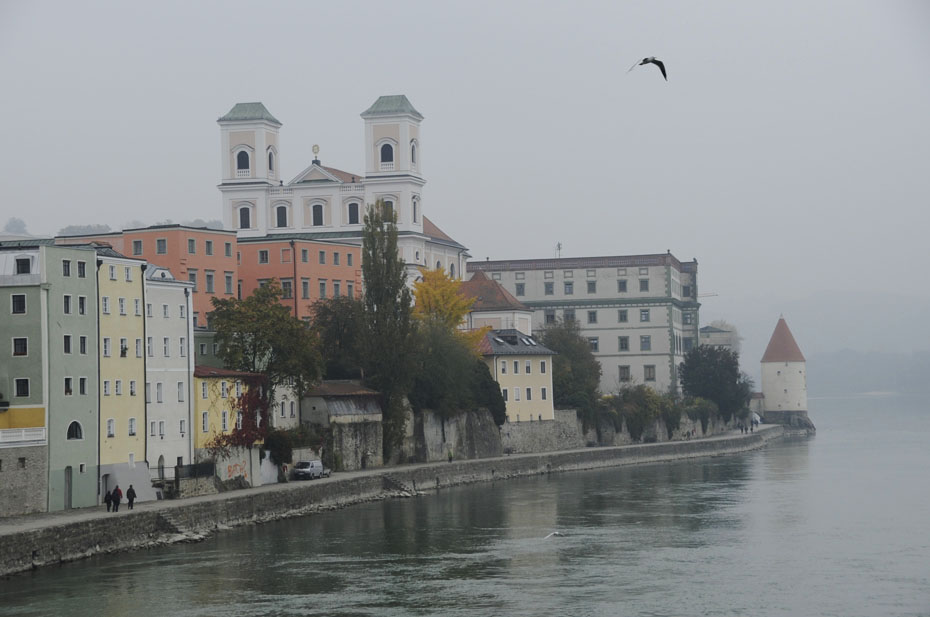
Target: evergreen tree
x,y
576,373
713,373
339,323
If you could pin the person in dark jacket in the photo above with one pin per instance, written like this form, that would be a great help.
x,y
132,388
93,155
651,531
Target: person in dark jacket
x,y
130,496
108,499
117,497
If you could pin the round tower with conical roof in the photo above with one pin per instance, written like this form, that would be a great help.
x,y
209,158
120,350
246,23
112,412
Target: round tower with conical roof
x,y
784,380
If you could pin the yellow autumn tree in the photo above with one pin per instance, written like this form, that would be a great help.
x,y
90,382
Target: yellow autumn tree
x,y
439,302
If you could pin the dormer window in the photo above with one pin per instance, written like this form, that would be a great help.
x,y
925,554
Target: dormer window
x,y
280,213
243,168
387,157
245,218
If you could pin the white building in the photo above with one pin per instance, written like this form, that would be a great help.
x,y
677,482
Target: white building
x,y
639,312
324,203
169,370
784,377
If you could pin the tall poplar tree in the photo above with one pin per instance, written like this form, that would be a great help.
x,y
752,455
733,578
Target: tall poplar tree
x,y
389,329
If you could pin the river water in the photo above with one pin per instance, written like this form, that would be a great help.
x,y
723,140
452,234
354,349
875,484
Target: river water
x,y
837,524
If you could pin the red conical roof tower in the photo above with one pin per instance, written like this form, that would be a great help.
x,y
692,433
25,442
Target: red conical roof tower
x,y
782,346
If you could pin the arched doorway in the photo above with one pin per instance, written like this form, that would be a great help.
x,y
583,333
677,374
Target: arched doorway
x,y
161,467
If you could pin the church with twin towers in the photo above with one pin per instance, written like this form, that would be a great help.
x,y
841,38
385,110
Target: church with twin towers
x,y
325,204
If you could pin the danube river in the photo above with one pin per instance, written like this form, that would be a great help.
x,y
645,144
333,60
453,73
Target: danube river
x,y
837,524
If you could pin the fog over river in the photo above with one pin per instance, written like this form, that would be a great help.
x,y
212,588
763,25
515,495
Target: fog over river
x,y
837,524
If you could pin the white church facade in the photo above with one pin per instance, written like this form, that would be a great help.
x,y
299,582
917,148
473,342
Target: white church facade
x,y
323,203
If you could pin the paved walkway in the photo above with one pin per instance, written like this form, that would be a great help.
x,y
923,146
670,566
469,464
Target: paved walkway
x,y
29,522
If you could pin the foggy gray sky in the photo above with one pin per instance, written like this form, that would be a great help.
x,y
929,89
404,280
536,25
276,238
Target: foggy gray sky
x,y
789,151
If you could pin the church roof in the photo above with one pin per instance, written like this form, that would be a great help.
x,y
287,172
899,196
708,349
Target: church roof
x,y
490,295
392,105
430,229
782,346
242,112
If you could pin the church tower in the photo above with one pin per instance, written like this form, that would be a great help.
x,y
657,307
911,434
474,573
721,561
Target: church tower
x,y
392,137
784,380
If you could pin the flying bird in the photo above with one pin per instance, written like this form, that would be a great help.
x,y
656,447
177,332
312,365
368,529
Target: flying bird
x,y
651,60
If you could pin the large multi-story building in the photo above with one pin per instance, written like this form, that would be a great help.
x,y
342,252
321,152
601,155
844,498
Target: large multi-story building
x,y
639,312
169,369
324,204
217,392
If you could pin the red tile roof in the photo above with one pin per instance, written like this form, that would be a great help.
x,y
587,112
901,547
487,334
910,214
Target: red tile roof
x,y
211,371
432,231
343,175
489,295
782,346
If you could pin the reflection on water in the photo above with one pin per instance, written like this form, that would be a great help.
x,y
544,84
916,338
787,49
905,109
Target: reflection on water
x,y
830,525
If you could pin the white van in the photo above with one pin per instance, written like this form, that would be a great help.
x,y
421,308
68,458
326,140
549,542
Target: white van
x,y
309,470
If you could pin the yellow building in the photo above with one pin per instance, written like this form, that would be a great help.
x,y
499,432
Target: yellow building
x,y
122,388
523,369
216,392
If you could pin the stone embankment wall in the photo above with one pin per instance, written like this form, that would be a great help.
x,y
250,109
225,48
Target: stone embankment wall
x,y
24,480
467,436
190,520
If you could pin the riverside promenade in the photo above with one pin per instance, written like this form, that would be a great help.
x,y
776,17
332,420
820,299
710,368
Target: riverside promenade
x,y
37,540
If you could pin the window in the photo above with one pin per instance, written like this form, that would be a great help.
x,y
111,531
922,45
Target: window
x,y
132,387
623,316
569,315
623,343
149,347
159,394
75,431
686,291
644,284
82,385
621,286
82,305
624,373
225,420
224,392
21,346
687,344
549,316
111,427
118,387
593,343
161,246
121,302
687,318
238,389
67,304
137,247
21,386
504,392
353,214
569,288
203,390
245,218
123,347
416,207
644,314
127,273
209,281
148,309
104,304
549,288
283,410
112,271
337,289
166,347
503,367
68,384
165,312
649,372
82,345
228,249
18,304
387,154
106,387
242,164
106,347
161,428
527,368
82,269
529,394
23,265
592,316
204,421
229,282
335,259
516,367
322,290
316,215
387,211
349,289
271,162
66,267
280,214
182,311
322,257
521,289
183,427
413,154
542,367
239,420
645,343
180,391
543,394
592,287
516,394
287,289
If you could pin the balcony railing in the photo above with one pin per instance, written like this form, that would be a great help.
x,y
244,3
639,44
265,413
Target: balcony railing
x,y
21,436
352,188
243,173
280,190
389,166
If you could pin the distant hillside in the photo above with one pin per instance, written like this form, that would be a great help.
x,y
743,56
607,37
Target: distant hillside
x,y
853,372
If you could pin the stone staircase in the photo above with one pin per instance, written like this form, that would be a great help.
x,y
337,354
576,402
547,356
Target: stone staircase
x,y
395,485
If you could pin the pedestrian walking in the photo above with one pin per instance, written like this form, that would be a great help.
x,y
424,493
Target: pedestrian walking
x,y
108,499
130,496
117,497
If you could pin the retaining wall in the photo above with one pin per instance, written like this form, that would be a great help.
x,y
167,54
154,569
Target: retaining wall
x,y
188,520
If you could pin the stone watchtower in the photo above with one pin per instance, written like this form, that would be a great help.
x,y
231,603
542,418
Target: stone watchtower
x,y
784,381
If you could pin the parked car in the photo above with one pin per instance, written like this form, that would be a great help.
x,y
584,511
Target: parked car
x,y
310,470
